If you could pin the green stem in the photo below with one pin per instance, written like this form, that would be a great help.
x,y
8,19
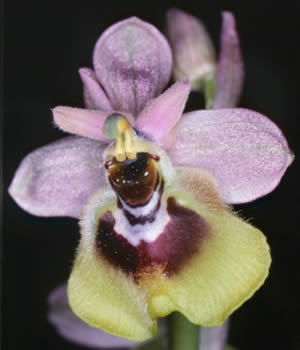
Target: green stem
x,y
154,345
183,335
209,89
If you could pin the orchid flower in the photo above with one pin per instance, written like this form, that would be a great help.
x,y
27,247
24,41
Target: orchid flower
x,y
152,187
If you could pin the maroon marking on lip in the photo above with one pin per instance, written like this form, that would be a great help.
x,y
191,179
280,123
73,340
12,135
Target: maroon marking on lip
x,y
114,247
180,240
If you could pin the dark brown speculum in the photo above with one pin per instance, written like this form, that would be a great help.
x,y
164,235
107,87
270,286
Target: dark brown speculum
x,y
134,180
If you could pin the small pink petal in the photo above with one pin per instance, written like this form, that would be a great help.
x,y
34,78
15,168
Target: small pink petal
x,y
245,151
193,50
94,96
230,71
57,179
160,115
83,122
133,63
72,328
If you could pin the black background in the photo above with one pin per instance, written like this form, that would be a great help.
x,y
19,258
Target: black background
x,y
46,43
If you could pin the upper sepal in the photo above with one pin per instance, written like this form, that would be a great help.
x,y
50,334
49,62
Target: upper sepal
x,y
133,62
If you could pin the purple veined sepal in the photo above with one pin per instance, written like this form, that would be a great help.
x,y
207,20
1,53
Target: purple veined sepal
x,y
57,179
245,151
133,62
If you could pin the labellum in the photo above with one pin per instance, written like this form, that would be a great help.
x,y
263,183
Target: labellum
x,y
158,239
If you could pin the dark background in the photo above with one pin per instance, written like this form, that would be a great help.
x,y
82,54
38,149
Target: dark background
x,y
45,44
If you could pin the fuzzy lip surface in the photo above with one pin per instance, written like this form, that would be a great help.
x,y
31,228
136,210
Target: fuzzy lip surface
x,y
203,262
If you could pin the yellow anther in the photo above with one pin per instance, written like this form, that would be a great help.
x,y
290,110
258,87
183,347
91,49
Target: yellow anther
x,y
120,152
129,143
117,126
122,124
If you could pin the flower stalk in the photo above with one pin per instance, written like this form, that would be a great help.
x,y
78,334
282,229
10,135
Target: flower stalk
x,y
209,89
182,333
